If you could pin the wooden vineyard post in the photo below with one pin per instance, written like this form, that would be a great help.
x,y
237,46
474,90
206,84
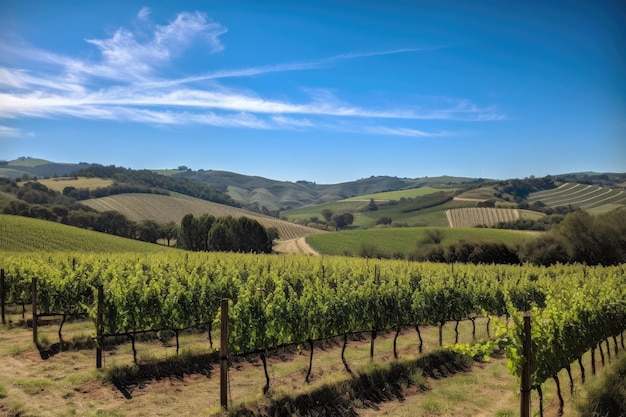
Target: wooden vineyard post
x,y
99,327
2,296
224,355
33,292
525,384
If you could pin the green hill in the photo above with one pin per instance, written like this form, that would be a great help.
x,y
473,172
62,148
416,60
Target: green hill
x,y
23,234
424,206
34,167
401,241
285,195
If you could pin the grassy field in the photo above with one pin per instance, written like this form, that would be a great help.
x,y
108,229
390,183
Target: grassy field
x,y
433,217
405,239
67,383
23,234
482,193
394,195
58,184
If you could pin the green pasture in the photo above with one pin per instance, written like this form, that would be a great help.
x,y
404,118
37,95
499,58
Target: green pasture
x,y
482,193
394,195
392,240
306,212
23,234
28,162
433,216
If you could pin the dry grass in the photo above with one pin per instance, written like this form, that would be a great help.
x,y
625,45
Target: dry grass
x,y
164,209
58,184
67,383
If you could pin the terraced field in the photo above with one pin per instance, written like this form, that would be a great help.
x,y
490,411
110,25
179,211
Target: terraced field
x,y
580,196
164,209
475,216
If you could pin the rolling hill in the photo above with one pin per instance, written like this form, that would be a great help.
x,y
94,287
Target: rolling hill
x,y
34,167
23,234
399,242
585,196
174,207
284,195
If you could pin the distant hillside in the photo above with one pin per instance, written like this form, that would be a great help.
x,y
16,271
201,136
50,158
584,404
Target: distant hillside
x,y
284,195
33,167
587,197
23,234
163,209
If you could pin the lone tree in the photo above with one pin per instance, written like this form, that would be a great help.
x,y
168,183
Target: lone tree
x,y
343,220
327,214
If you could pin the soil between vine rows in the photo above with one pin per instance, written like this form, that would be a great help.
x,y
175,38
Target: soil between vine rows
x,y
67,383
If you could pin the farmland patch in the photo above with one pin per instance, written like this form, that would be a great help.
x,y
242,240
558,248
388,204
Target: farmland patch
x,y
476,216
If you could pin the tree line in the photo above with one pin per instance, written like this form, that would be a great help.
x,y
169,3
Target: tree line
x,y
578,238
225,234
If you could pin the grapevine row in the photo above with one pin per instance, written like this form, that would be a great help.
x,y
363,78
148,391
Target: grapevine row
x,y
297,299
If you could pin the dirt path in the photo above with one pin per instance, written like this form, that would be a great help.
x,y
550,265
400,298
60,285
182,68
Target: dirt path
x,y
296,246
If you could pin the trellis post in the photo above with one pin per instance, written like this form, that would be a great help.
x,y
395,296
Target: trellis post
x,y
525,384
224,355
33,292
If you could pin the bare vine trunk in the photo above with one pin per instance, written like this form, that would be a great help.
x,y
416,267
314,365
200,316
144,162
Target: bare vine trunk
x,y
372,344
343,351
568,368
308,374
441,323
61,342
593,361
473,319
558,393
582,369
419,335
210,337
266,387
132,342
395,342
601,353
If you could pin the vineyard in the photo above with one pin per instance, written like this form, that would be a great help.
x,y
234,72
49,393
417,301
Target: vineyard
x,y
23,234
579,196
297,300
163,209
476,216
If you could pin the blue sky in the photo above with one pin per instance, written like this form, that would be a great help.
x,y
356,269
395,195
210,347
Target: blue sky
x,y
321,91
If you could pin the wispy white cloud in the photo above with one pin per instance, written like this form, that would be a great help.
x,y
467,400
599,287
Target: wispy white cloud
x,y
126,56
402,131
12,132
144,13
126,84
